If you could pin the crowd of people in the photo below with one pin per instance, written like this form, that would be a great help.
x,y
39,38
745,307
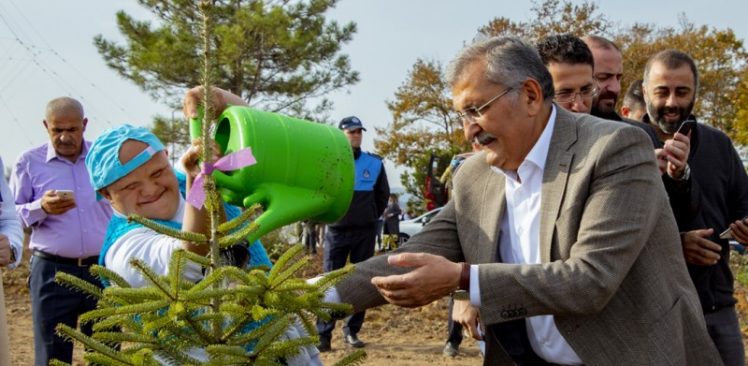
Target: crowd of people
x,y
577,234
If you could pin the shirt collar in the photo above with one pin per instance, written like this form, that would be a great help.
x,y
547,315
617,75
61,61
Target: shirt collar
x,y
52,153
539,152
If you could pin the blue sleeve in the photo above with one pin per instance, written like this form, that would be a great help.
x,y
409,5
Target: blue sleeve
x,y
258,256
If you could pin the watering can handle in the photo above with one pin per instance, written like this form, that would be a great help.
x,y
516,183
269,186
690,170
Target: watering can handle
x,y
196,128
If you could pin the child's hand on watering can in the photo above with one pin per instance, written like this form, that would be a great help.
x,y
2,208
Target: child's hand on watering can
x,y
220,99
191,158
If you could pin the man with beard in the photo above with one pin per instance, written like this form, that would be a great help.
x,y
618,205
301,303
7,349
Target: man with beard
x,y
558,231
577,83
608,73
719,195
673,154
53,196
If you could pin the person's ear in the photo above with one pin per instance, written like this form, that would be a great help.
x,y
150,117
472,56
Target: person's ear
x,y
85,122
532,96
105,193
45,124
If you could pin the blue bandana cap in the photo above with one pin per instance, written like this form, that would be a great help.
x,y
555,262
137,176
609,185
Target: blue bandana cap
x,y
102,161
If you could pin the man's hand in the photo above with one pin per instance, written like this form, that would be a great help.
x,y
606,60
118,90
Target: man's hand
x,y
676,152
5,250
661,160
190,159
220,99
53,204
433,278
698,250
739,231
467,315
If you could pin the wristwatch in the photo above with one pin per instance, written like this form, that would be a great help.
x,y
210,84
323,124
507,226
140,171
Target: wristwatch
x,y
686,174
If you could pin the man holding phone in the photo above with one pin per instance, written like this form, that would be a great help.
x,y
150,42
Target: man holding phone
x,y
54,197
716,188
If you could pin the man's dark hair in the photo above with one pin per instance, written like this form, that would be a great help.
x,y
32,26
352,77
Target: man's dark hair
x,y
672,59
565,49
634,97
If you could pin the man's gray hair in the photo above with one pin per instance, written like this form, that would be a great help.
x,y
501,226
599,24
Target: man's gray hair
x,y
63,105
509,62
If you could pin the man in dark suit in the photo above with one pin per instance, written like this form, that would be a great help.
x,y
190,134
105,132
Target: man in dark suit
x,y
559,231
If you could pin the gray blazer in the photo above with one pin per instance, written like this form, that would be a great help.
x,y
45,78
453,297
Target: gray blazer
x,y
612,270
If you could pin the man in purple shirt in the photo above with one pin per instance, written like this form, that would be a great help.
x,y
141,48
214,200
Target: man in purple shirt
x,y
54,197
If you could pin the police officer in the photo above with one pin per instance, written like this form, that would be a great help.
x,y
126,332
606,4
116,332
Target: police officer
x,y
354,234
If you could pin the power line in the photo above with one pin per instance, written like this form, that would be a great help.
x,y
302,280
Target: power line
x,y
65,61
15,120
15,74
35,52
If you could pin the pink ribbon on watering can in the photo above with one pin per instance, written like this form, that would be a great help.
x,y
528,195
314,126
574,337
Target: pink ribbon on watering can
x,y
235,160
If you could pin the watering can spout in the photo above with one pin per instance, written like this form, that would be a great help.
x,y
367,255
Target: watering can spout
x,y
304,170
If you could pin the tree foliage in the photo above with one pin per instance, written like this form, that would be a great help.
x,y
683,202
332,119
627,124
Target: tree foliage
x,y
233,316
278,55
423,123
720,58
173,135
551,17
417,113
741,115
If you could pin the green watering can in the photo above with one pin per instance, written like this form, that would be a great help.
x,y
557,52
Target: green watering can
x,y
304,170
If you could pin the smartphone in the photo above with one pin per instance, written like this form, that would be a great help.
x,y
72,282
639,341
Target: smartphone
x,y
727,234
687,126
65,194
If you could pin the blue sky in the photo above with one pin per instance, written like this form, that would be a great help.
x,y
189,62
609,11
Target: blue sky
x,y
47,51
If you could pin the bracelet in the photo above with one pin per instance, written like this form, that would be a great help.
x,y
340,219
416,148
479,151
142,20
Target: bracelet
x,y
465,277
460,295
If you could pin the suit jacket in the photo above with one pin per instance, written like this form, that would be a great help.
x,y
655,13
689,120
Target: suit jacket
x,y
612,270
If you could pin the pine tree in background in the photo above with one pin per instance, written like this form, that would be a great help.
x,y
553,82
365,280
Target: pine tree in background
x,y
233,316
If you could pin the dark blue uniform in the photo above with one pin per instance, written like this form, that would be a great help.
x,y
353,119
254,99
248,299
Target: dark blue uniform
x,y
353,236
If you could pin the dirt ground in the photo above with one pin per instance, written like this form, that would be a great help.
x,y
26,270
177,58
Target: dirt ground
x,y
394,336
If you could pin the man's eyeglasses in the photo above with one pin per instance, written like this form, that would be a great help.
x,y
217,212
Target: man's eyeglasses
x,y
589,91
471,114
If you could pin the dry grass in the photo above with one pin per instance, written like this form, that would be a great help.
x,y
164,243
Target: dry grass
x,y
394,336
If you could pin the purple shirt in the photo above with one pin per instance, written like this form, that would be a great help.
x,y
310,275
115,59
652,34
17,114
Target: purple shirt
x,y
79,232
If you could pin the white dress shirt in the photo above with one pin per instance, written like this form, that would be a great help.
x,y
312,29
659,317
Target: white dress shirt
x,y
520,243
10,224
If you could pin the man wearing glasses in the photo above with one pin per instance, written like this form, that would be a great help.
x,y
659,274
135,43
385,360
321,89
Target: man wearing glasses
x,y
571,65
559,231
